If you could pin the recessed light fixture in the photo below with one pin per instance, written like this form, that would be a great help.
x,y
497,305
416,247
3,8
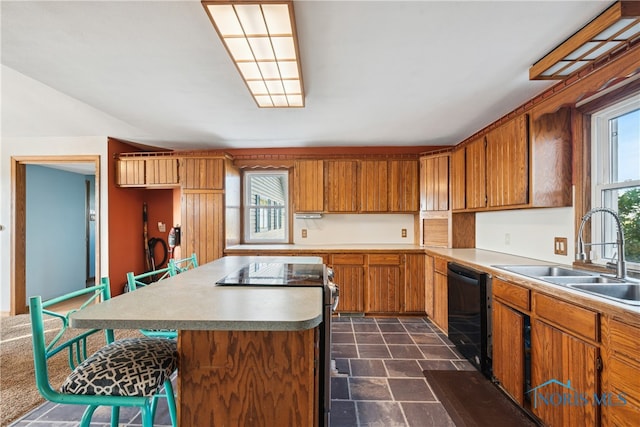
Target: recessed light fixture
x,y
260,37
612,30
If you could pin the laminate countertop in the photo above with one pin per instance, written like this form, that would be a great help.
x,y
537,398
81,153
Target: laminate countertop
x,y
192,301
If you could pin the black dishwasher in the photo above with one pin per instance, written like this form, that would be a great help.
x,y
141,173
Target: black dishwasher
x,y
469,314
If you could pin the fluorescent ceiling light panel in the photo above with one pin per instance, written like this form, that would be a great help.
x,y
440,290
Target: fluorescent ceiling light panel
x,y
260,38
612,30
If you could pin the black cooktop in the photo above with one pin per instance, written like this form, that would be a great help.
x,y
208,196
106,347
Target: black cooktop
x,y
276,274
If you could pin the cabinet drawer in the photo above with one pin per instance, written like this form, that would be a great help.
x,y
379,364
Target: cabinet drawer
x,y
348,259
384,259
624,339
515,295
568,316
440,265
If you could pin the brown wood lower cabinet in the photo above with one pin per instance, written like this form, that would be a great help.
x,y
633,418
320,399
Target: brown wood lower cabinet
x,y
620,374
440,296
508,350
563,373
248,378
414,283
349,275
385,284
440,301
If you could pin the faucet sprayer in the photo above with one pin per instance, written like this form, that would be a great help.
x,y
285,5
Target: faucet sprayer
x,y
621,268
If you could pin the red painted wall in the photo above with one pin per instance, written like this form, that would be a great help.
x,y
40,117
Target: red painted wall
x,y
126,243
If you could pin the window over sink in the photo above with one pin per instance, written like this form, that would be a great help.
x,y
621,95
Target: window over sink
x,y
615,175
266,207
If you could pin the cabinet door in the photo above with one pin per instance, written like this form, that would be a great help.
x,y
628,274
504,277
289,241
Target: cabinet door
x,y
558,358
508,163
309,185
130,172
414,283
203,224
162,171
403,186
341,184
508,349
385,285
203,173
434,183
373,186
349,276
458,180
429,286
476,174
440,300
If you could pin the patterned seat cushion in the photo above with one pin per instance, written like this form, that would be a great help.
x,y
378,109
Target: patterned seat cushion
x,y
127,367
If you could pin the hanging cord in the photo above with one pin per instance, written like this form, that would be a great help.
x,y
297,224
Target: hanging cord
x,y
152,250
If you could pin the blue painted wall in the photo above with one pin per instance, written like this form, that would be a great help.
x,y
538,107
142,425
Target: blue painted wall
x,y
56,232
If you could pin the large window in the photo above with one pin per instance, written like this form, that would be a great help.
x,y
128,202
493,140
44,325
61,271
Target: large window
x,y
266,207
616,179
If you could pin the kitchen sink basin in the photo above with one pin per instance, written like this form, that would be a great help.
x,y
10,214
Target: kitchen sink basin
x,y
566,280
628,293
542,271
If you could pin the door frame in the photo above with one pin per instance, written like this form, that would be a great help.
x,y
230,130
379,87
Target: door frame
x,y
19,220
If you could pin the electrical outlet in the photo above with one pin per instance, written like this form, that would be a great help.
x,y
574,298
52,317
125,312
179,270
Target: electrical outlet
x,y
507,238
304,233
560,245
404,232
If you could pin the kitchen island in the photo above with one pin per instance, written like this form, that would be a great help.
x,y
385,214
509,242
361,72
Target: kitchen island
x,y
247,355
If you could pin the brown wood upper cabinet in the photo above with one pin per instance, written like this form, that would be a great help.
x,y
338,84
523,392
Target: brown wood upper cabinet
x,y
341,186
374,194
458,179
309,185
403,186
475,174
522,163
434,183
147,171
508,163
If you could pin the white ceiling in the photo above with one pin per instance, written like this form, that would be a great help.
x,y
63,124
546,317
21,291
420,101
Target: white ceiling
x,y
375,72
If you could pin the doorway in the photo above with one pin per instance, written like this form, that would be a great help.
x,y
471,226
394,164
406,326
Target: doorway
x,y
85,165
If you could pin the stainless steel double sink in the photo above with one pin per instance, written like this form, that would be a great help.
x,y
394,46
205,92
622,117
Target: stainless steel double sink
x,y
625,291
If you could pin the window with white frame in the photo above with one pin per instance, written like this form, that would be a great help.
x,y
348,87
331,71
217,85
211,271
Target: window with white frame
x,y
615,173
266,207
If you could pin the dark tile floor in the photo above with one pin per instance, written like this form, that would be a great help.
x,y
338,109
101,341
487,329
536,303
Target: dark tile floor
x,y
378,379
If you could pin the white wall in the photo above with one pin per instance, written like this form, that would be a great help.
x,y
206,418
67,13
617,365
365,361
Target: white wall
x,y
40,121
528,232
338,229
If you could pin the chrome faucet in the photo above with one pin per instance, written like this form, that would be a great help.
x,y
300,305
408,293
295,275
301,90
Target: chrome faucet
x,y
621,267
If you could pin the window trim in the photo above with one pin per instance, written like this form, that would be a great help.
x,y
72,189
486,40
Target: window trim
x,y
247,205
600,176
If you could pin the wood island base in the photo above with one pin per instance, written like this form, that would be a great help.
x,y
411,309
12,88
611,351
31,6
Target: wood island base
x,y
247,378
